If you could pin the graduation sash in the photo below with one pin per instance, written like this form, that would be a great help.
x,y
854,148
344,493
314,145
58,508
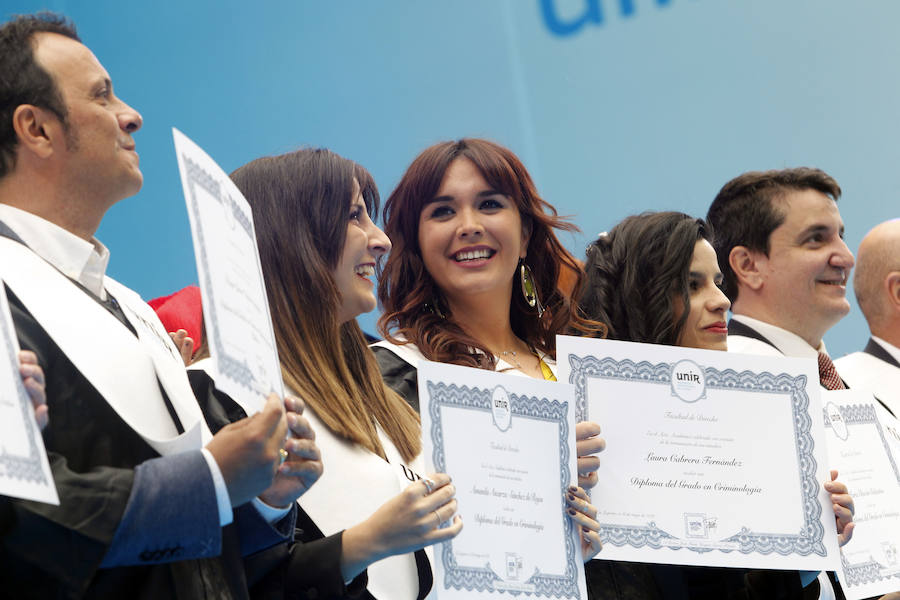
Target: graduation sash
x,y
126,370
865,371
354,484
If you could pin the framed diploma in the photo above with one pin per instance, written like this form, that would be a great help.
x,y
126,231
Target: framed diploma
x,y
508,442
864,446
712,458
235,306
24,469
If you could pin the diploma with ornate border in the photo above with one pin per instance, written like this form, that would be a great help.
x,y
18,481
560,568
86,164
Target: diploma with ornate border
x,y
508,442
712,458
24,469
235,306
864,446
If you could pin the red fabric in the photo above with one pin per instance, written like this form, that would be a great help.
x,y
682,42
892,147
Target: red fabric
x,y
181,310
828,375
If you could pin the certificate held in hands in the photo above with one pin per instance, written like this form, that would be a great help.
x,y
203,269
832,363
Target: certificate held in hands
x,y
235,306
712,458
864,446
24,468
508,443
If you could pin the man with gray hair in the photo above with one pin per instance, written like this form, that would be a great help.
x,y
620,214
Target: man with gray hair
x,y
877,286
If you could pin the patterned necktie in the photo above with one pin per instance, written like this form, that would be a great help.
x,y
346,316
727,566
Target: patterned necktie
x,y
828,375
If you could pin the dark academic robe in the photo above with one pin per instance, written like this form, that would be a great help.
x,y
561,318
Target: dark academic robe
x,y
310,567
55,551
7,517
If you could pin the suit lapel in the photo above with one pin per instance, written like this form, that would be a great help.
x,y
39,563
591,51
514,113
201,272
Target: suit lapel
x,y
876,350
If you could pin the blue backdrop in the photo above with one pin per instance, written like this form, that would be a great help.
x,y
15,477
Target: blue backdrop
x,y
615,106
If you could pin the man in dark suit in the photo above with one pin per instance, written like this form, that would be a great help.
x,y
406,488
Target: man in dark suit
x,y
779,240
152,505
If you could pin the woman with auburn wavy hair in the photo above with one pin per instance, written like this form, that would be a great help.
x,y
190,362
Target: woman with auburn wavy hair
x,y
473,280
318,249
468,227
655,278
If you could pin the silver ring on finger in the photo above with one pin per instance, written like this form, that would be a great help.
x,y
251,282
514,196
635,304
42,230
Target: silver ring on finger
x,y
282,456
429,485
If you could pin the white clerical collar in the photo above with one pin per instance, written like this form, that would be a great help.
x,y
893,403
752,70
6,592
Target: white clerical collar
x,y
77,259
890,348
790,344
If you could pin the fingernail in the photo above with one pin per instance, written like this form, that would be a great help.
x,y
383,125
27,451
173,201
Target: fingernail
x,y
570,497
571,511
573,489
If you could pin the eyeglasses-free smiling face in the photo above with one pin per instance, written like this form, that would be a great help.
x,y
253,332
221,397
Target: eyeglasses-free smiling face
x,y
705,326
805,273
364,245
471,237
99,150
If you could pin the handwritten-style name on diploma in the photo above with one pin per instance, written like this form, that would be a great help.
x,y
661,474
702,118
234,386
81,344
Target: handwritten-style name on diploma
x,y
24,469
864,446
235,307
712,458
508,442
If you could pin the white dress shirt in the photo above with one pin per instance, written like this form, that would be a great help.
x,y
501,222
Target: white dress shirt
x,y
786,344
85,262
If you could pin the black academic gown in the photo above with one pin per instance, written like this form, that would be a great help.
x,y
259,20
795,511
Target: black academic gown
x,y
55,551
310,567
7,517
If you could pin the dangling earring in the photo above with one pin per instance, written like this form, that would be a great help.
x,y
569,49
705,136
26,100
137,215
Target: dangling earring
x,y
529,290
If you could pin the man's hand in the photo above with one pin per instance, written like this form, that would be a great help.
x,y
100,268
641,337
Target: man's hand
x,y
33,380
247,451
184,344
842,503
587,443
303,466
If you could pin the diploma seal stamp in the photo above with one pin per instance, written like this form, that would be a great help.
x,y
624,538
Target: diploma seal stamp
x,y
513,566
688,381
500,408
835,420
695,526
890,553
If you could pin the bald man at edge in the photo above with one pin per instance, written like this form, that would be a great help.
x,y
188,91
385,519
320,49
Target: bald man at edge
x,y
876,283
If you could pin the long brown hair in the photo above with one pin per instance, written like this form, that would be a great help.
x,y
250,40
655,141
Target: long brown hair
x,y
412,302
301,205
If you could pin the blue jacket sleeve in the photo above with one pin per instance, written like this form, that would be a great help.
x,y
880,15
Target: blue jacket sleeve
x,y
171,514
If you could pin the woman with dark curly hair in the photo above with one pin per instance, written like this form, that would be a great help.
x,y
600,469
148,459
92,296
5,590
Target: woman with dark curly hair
x,y
641,275
655,278
473,279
